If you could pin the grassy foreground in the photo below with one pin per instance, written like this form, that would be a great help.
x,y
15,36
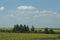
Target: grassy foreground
x,y
18,36
26,36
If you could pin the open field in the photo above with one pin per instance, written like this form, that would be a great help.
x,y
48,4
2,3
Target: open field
x,y
27,36
6,28
42,29
17,36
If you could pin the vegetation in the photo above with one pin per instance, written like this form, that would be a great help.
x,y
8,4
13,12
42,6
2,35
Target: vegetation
x,y
23,32
22,36
25,29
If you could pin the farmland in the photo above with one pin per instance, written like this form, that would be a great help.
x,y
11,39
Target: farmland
x,y
17,36
27,36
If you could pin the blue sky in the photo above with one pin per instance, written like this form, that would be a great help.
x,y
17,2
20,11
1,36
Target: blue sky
x,y
40,13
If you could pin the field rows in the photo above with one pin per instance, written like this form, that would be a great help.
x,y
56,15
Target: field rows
x,y
16,36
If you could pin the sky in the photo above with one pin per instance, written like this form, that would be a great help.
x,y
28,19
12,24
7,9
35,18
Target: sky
x,y
40,13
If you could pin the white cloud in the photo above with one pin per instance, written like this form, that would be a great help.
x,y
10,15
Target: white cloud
x,y
46,12
32,12
33,16
2,8
25,7
24,10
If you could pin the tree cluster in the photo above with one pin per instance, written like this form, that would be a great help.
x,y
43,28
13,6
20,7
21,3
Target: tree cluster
x,y
21,28
25,29
49,31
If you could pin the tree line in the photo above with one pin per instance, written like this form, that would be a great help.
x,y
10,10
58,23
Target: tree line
x,y
25,29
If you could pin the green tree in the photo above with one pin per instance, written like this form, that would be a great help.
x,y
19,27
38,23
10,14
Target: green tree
x,y
46,31
51,31
27,28
24,28
21,28
16,27
32,29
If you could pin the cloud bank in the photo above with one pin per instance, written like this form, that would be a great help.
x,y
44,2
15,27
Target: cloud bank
x,y
32,16
25,7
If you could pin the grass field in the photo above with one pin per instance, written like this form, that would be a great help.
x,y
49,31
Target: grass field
x,y
23,36
42,29
17,36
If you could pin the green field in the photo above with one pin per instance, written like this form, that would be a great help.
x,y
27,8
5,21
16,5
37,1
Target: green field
x,y
42,29
27,36
18,36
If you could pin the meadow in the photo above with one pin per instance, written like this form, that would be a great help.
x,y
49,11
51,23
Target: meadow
x,y
27,36
22,36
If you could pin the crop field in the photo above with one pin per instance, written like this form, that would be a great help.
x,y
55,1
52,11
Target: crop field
x,y
42,29
21,36
27,36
